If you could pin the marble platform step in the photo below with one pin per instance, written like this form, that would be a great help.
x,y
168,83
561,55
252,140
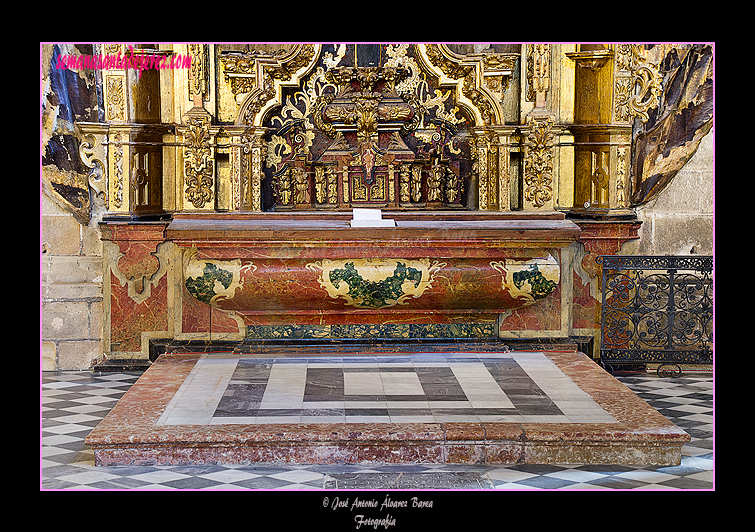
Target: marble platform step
x,y
450,407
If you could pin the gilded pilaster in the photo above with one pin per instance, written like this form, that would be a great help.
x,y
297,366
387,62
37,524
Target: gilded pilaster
x,y
480,167
116,111
605,106
251,169
504,173
622,170
491,156
198,146
114,87
118,169
539,138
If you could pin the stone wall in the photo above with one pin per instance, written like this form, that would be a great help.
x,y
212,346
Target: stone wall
x,y
71,290
680,220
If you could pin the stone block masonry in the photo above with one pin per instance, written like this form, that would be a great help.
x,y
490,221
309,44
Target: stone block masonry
x,y
680,220
71,289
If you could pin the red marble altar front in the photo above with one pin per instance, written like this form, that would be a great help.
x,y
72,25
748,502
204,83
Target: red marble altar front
x,y
235,278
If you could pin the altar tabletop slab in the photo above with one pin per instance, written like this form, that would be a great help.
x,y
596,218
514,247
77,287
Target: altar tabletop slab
x,y
442,226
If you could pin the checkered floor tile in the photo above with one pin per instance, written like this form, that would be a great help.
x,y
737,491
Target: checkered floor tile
x,y
73,403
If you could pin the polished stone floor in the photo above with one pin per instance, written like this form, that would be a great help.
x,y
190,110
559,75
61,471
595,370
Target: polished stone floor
x,y
73,403
424,388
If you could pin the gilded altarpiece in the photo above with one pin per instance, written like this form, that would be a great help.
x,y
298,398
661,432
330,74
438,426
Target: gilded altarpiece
x,y
229,196
401,135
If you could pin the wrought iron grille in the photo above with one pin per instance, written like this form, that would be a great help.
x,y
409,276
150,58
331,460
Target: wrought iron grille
x,y
657,309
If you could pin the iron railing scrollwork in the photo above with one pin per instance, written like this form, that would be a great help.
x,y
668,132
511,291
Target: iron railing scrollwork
x,y
656,309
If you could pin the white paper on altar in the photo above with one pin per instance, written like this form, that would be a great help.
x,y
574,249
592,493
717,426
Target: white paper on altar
x,y
370,218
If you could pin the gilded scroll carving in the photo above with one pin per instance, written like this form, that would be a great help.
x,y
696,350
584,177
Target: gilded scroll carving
x,y
94,156
273,69
538,160
415,89
470,87
198,162
638,83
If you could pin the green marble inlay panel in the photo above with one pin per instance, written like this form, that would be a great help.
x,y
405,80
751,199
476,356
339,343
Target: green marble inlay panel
x,y
358,331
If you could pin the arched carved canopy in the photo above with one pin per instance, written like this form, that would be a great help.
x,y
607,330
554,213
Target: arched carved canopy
x,y
380,125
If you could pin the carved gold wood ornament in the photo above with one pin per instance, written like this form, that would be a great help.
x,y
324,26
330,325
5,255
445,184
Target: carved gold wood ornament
x,y
538,161
423,95
198,163
638,83
284,125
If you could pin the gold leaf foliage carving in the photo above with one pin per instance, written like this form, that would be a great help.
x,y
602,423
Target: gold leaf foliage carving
x,y
198,162
538,161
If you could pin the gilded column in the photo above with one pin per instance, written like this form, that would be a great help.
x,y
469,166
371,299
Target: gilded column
x,y
198,137
253,147
480,148
539,144
504,174
236,188
116,112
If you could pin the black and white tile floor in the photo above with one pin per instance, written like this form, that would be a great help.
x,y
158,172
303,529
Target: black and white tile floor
x,y
73,403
